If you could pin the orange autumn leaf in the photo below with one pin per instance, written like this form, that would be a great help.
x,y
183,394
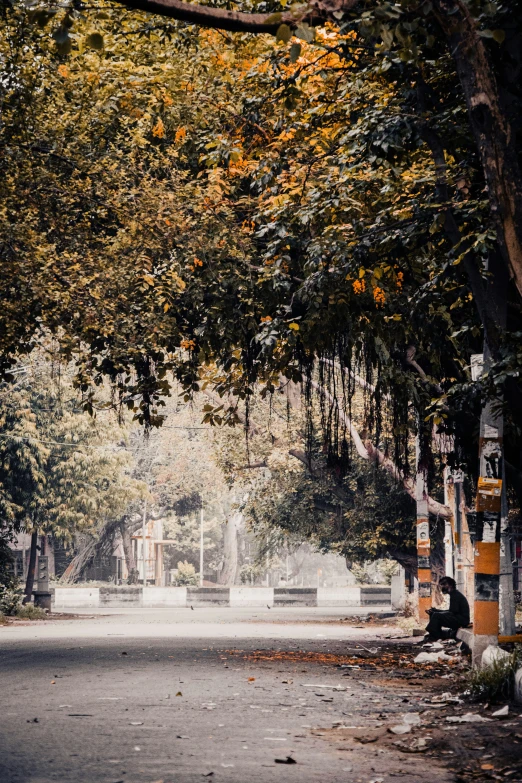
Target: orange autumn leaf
x,y
159,129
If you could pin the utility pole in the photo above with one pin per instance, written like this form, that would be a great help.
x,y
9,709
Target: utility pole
x,y
144,542
423,537
201,549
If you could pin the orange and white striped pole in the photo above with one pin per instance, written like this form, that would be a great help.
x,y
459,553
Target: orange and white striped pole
x,y
423,539
487,541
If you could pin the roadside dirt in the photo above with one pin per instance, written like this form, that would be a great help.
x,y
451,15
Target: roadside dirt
x,y
431,698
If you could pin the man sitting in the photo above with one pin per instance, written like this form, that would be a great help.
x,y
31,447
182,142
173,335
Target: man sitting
x,y
456,617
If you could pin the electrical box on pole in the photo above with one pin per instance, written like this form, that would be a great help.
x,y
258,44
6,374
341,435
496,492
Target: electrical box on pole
x,y
43,574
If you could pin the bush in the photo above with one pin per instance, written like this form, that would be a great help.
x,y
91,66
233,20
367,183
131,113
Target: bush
x,y
249,574
31,612
496,682
10,599
6,563
186,575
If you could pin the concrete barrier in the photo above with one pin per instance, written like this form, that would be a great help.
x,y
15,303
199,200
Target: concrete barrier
x,y
208,596
339,596
135,595
251,596
377,595
121,596
164,596
295,596
79,597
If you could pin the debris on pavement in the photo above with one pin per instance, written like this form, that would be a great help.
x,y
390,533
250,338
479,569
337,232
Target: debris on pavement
x,y
401,728
502,712
493,654
412,719
419,745
469,717
426,657
446,698
287,760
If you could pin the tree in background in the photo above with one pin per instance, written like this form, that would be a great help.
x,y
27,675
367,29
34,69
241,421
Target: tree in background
x,y
61,471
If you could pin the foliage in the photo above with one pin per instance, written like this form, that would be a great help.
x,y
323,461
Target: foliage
x,y
186,574
31,612
249,573
496,682
6,560
61,471
380,572
10,599
287,207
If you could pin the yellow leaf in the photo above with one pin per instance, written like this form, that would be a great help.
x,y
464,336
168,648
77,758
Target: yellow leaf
x,y
294,327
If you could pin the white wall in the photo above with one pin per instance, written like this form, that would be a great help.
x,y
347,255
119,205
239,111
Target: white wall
x,y
251,596
69,597
338,596
164,596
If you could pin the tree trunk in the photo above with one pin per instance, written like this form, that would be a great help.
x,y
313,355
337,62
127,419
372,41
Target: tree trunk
x,y
80,561
228,573
130,560
409,561
29,584
494,137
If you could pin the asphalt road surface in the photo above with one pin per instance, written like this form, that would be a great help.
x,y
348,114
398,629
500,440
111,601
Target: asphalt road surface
x,y
143,696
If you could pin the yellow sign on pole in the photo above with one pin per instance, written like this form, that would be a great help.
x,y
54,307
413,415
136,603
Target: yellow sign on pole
x,y
489,492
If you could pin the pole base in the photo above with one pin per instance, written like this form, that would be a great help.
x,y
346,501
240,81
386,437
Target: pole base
x,y
42,599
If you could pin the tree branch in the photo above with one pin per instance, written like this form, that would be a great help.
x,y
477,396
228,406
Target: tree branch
x,y
238,21
368,451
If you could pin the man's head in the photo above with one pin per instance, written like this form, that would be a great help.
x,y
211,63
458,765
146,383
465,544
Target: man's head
x,y
447,584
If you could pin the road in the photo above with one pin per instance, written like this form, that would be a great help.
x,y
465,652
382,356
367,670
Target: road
x,y
142,696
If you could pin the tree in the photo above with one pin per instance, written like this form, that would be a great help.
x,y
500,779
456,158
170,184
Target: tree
x,y
62,472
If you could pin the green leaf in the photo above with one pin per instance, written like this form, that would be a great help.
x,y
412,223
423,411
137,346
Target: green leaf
x,y
295,52
60,34
274,18
305,33
41,17
95,41
283,33
499,36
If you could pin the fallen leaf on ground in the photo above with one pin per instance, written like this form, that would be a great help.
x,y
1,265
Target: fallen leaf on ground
x,y
288,760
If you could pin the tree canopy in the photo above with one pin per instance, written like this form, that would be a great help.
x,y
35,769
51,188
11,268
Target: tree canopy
x,y
337,206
